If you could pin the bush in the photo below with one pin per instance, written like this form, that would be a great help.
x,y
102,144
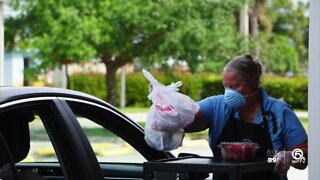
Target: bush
x,y
93,84
292,90
137,90
213,85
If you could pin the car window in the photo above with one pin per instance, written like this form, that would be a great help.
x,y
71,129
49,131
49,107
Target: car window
x,y
106,143
48,123
41,148
23,126
107,146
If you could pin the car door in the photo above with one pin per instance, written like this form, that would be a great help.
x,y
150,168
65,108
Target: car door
x,y
75,158
117,141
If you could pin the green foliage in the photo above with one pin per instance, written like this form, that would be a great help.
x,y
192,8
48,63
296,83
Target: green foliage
x,y
54,31
137,90
93,84
291,21
153,31
119,32
278,55
193,31
212,85
292,90
98,132
202,33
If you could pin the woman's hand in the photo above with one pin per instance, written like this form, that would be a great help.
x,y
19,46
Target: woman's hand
x,y
296,156
284,161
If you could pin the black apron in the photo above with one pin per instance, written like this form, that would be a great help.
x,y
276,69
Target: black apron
x,y
236,130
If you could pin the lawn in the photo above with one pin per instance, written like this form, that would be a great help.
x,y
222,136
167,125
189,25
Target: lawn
x,y
134,109
304,122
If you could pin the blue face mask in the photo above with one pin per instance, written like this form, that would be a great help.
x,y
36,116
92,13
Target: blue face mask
x,y
234,99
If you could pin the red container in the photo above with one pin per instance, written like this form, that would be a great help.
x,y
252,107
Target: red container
x,y
238,151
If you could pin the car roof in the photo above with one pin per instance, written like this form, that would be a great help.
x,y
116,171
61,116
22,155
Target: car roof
x,y
8,94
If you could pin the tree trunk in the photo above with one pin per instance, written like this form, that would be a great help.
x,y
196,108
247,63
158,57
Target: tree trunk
x,y
112,65
26,62
66,62
254,27
111,84
67,77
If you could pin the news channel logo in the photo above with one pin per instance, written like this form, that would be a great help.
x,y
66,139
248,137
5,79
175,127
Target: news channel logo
x,y
297,156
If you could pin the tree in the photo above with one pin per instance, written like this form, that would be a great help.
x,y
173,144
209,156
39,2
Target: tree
x,y
118,32
281,28
52,32
291,20
278,56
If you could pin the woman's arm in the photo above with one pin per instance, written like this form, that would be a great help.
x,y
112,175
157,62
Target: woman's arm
x,y
198,124
296,143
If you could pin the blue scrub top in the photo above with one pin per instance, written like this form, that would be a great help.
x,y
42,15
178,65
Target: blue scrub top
x,y
290,131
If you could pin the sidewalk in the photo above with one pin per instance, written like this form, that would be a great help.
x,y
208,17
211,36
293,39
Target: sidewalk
x,y
137,117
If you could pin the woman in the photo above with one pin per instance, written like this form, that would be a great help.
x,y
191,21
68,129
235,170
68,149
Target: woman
x,y
245,111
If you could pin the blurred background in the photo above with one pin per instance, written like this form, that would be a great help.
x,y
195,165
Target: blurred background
x,y
100,47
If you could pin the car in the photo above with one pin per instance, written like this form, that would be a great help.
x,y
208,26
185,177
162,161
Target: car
x,y
53,133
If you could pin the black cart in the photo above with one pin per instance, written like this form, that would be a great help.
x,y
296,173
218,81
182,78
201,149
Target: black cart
x,y
173,167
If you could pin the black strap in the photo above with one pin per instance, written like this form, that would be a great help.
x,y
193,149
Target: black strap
x,y
264,118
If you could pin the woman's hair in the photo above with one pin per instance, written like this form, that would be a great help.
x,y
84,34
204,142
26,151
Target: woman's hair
x,y
248,69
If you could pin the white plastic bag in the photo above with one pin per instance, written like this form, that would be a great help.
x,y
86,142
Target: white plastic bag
x,y
163,140
170,109
170,112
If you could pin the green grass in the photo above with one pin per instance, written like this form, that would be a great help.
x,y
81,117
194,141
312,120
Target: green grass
x,y
198,135
90,132
135,109
304,122
93,132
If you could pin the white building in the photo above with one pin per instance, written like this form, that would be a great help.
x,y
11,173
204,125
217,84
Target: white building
x,y
13,69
